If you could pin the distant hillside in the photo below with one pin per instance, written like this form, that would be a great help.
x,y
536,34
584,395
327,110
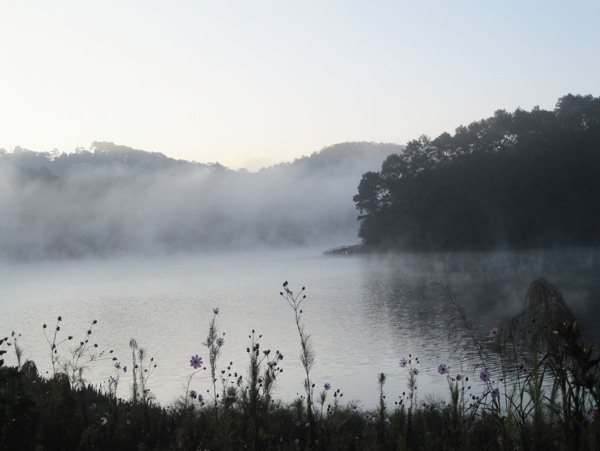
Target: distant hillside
x,y
101,154
112,199
343,156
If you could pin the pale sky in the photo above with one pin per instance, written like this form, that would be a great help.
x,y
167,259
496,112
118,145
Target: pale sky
x,y
253,83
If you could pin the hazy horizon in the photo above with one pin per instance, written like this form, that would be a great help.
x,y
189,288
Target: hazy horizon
x,y
250,85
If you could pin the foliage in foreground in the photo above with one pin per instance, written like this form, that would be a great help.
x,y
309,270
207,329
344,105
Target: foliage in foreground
x,y
539,390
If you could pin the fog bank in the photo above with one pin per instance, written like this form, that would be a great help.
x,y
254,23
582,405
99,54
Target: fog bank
x,y
100,209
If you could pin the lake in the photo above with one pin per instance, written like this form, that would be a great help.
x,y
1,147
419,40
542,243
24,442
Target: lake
x,y
364,313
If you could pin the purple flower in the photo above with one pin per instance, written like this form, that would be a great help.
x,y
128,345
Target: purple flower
x,y
459,377
196,362
327,386
93,405
128,420
200,398
125,369
495,393
493,331
216,310
193,394
220,341
443,369
118,365
403,363
270,364
288,291
415,371
485,375
260,380
590,417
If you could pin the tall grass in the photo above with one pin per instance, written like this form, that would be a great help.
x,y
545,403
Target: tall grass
x,y
534,385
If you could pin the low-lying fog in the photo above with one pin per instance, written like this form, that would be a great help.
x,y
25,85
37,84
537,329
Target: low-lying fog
x,y
48,210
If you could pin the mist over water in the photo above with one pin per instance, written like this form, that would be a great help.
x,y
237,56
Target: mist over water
x,y
364,313
107,203
149,249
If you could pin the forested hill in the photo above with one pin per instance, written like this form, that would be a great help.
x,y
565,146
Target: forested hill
x,y
518,180
112,199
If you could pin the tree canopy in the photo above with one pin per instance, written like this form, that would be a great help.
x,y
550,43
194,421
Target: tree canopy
x,y
520,180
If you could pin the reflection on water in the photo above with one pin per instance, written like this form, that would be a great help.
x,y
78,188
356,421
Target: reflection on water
x,y
364,313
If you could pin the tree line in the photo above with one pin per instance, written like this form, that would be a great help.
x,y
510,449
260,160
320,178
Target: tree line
x,y
517,180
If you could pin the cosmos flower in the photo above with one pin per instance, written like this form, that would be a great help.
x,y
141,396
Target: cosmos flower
x,y
216,310
220,341
196,362
403,363
493,331
93,405
485,375
415,371
193,394
495,393
459,377
327,386
590,417
443,369
118,365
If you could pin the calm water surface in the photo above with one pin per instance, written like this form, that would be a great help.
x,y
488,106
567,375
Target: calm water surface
x,y
364,313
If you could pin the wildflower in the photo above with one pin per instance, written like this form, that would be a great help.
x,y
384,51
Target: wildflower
x,y
415,371
193,394
403,363
288,291
118,365
200,398
125,369
495,393
485,375
103,421
270,364
260,380
459,377
327,386
93,405
196,361
128,421
590,417
220,341
525,368
443,369
493,331
216,310
500,440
